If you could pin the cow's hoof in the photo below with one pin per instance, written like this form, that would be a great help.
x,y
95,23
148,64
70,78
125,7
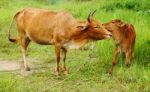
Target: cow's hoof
x,y
65,72
27,69
58,77
57,74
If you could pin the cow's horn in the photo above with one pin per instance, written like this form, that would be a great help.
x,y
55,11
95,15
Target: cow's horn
x,y
89,16
93,13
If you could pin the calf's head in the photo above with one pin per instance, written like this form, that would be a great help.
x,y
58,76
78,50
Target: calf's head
x,y
113,25
93,29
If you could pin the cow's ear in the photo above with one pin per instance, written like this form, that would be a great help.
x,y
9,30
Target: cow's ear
x,y
82,28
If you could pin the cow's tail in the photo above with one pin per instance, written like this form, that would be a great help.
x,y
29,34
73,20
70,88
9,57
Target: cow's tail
x,y
13,39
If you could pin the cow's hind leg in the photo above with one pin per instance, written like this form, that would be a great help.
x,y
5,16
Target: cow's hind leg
x,y
64,69
24,41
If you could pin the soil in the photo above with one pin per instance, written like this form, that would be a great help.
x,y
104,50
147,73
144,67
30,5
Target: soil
x,y
9,66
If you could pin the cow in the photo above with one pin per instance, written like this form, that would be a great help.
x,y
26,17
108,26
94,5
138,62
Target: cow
x,y
124,37
60,29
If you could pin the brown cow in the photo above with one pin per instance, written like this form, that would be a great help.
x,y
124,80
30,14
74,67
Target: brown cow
x,y
60,29
124,37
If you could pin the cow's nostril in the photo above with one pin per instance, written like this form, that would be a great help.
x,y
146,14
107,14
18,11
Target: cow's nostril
x,y
110,34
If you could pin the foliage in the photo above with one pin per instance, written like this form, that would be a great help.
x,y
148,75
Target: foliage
x,y
85,75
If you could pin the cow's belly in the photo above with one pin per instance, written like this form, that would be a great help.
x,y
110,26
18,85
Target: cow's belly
x,y
42,41
43,38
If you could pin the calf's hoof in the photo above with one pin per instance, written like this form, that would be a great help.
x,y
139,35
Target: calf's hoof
x,y
127,65
110,72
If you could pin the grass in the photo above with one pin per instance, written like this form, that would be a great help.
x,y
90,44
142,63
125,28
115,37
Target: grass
x,y
85,75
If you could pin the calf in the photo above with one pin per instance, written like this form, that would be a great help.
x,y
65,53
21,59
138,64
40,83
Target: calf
x,y
60,29
124,38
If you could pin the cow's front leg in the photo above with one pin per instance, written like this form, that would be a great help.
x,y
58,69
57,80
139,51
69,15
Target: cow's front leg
x,y
57,53
64,69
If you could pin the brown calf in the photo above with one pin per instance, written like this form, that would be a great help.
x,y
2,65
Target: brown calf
x,y
60,29
124,37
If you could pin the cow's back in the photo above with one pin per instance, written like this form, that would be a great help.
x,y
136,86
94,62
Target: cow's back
x,y
42,26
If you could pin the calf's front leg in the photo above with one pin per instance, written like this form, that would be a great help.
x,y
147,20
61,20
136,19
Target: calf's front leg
x,y
114,60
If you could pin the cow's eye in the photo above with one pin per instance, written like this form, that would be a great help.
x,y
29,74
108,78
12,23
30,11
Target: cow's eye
x,y
97,27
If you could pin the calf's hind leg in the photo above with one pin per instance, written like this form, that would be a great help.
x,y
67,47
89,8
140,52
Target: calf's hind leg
x,y
132,56
128,57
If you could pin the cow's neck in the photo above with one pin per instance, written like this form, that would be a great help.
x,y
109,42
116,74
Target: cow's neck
x,y
74,44
77,40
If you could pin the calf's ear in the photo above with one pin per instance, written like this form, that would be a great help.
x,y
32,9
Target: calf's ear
x,y
124,26
117,20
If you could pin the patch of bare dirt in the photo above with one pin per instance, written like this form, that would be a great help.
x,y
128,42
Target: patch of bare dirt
x,y
16,66
9,66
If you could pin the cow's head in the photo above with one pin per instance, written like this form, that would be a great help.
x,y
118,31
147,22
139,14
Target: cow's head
x,y
93,29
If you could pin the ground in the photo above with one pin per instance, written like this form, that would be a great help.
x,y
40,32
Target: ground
x,y
85,75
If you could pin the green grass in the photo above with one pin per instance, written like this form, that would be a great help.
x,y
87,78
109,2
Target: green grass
x,y
85,76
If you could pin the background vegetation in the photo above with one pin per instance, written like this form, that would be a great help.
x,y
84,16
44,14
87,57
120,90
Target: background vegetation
x,y
85,75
